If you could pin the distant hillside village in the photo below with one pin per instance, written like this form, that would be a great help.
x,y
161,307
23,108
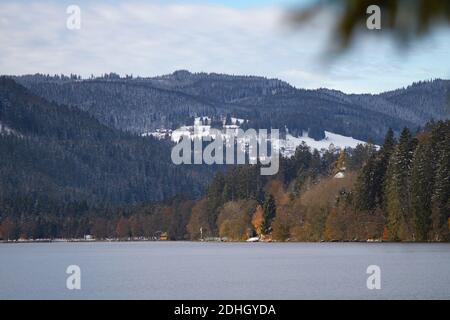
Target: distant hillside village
x,y
228,126
399,192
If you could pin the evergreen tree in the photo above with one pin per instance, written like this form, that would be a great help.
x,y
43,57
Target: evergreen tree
x,y
441,195
269,211
380,178
360,155
226,194
214,197
365,187
388,144
316,164
370,185
398,189
421,189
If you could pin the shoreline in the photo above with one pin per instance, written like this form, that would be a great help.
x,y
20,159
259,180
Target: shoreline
x,y
197,241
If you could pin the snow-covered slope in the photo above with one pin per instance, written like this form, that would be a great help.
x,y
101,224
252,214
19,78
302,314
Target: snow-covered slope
x,y
287,146
331,141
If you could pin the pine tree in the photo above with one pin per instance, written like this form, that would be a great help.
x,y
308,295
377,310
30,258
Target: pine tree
x,y
398,189
365,187
269,211
370,185
422,179
389,143
441,195
382,167
360,155
226,194
214,196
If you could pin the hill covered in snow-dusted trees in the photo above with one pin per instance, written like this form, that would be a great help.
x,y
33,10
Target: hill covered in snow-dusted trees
x,y
74,161
142,105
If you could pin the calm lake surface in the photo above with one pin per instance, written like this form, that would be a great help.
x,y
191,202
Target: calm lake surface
x,y
191,270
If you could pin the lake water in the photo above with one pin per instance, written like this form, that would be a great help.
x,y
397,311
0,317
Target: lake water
x,y
192,270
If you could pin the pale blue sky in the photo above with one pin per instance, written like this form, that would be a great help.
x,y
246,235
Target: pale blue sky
x,y
149,38
241,4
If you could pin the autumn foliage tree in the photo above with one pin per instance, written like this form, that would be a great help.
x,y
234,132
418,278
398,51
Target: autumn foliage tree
x,y
234,221
257,220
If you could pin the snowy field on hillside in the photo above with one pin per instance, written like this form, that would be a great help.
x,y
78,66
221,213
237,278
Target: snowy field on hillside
x,y
331,141
287,146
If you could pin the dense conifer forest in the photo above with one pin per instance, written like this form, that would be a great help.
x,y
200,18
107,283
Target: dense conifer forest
x,y
66,174
141,105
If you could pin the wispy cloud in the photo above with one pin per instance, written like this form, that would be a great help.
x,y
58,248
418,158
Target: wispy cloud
x,y
151,38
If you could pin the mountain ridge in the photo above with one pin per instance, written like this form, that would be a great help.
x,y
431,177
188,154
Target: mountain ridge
x,y
145,104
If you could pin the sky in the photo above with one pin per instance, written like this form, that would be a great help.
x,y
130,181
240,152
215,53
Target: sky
x,y
254,37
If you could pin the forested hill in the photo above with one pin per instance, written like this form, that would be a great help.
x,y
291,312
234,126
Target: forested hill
x,y
145,104
65,174
62,153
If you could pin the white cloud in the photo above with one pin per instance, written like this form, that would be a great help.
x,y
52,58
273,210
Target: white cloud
x,y
156,38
